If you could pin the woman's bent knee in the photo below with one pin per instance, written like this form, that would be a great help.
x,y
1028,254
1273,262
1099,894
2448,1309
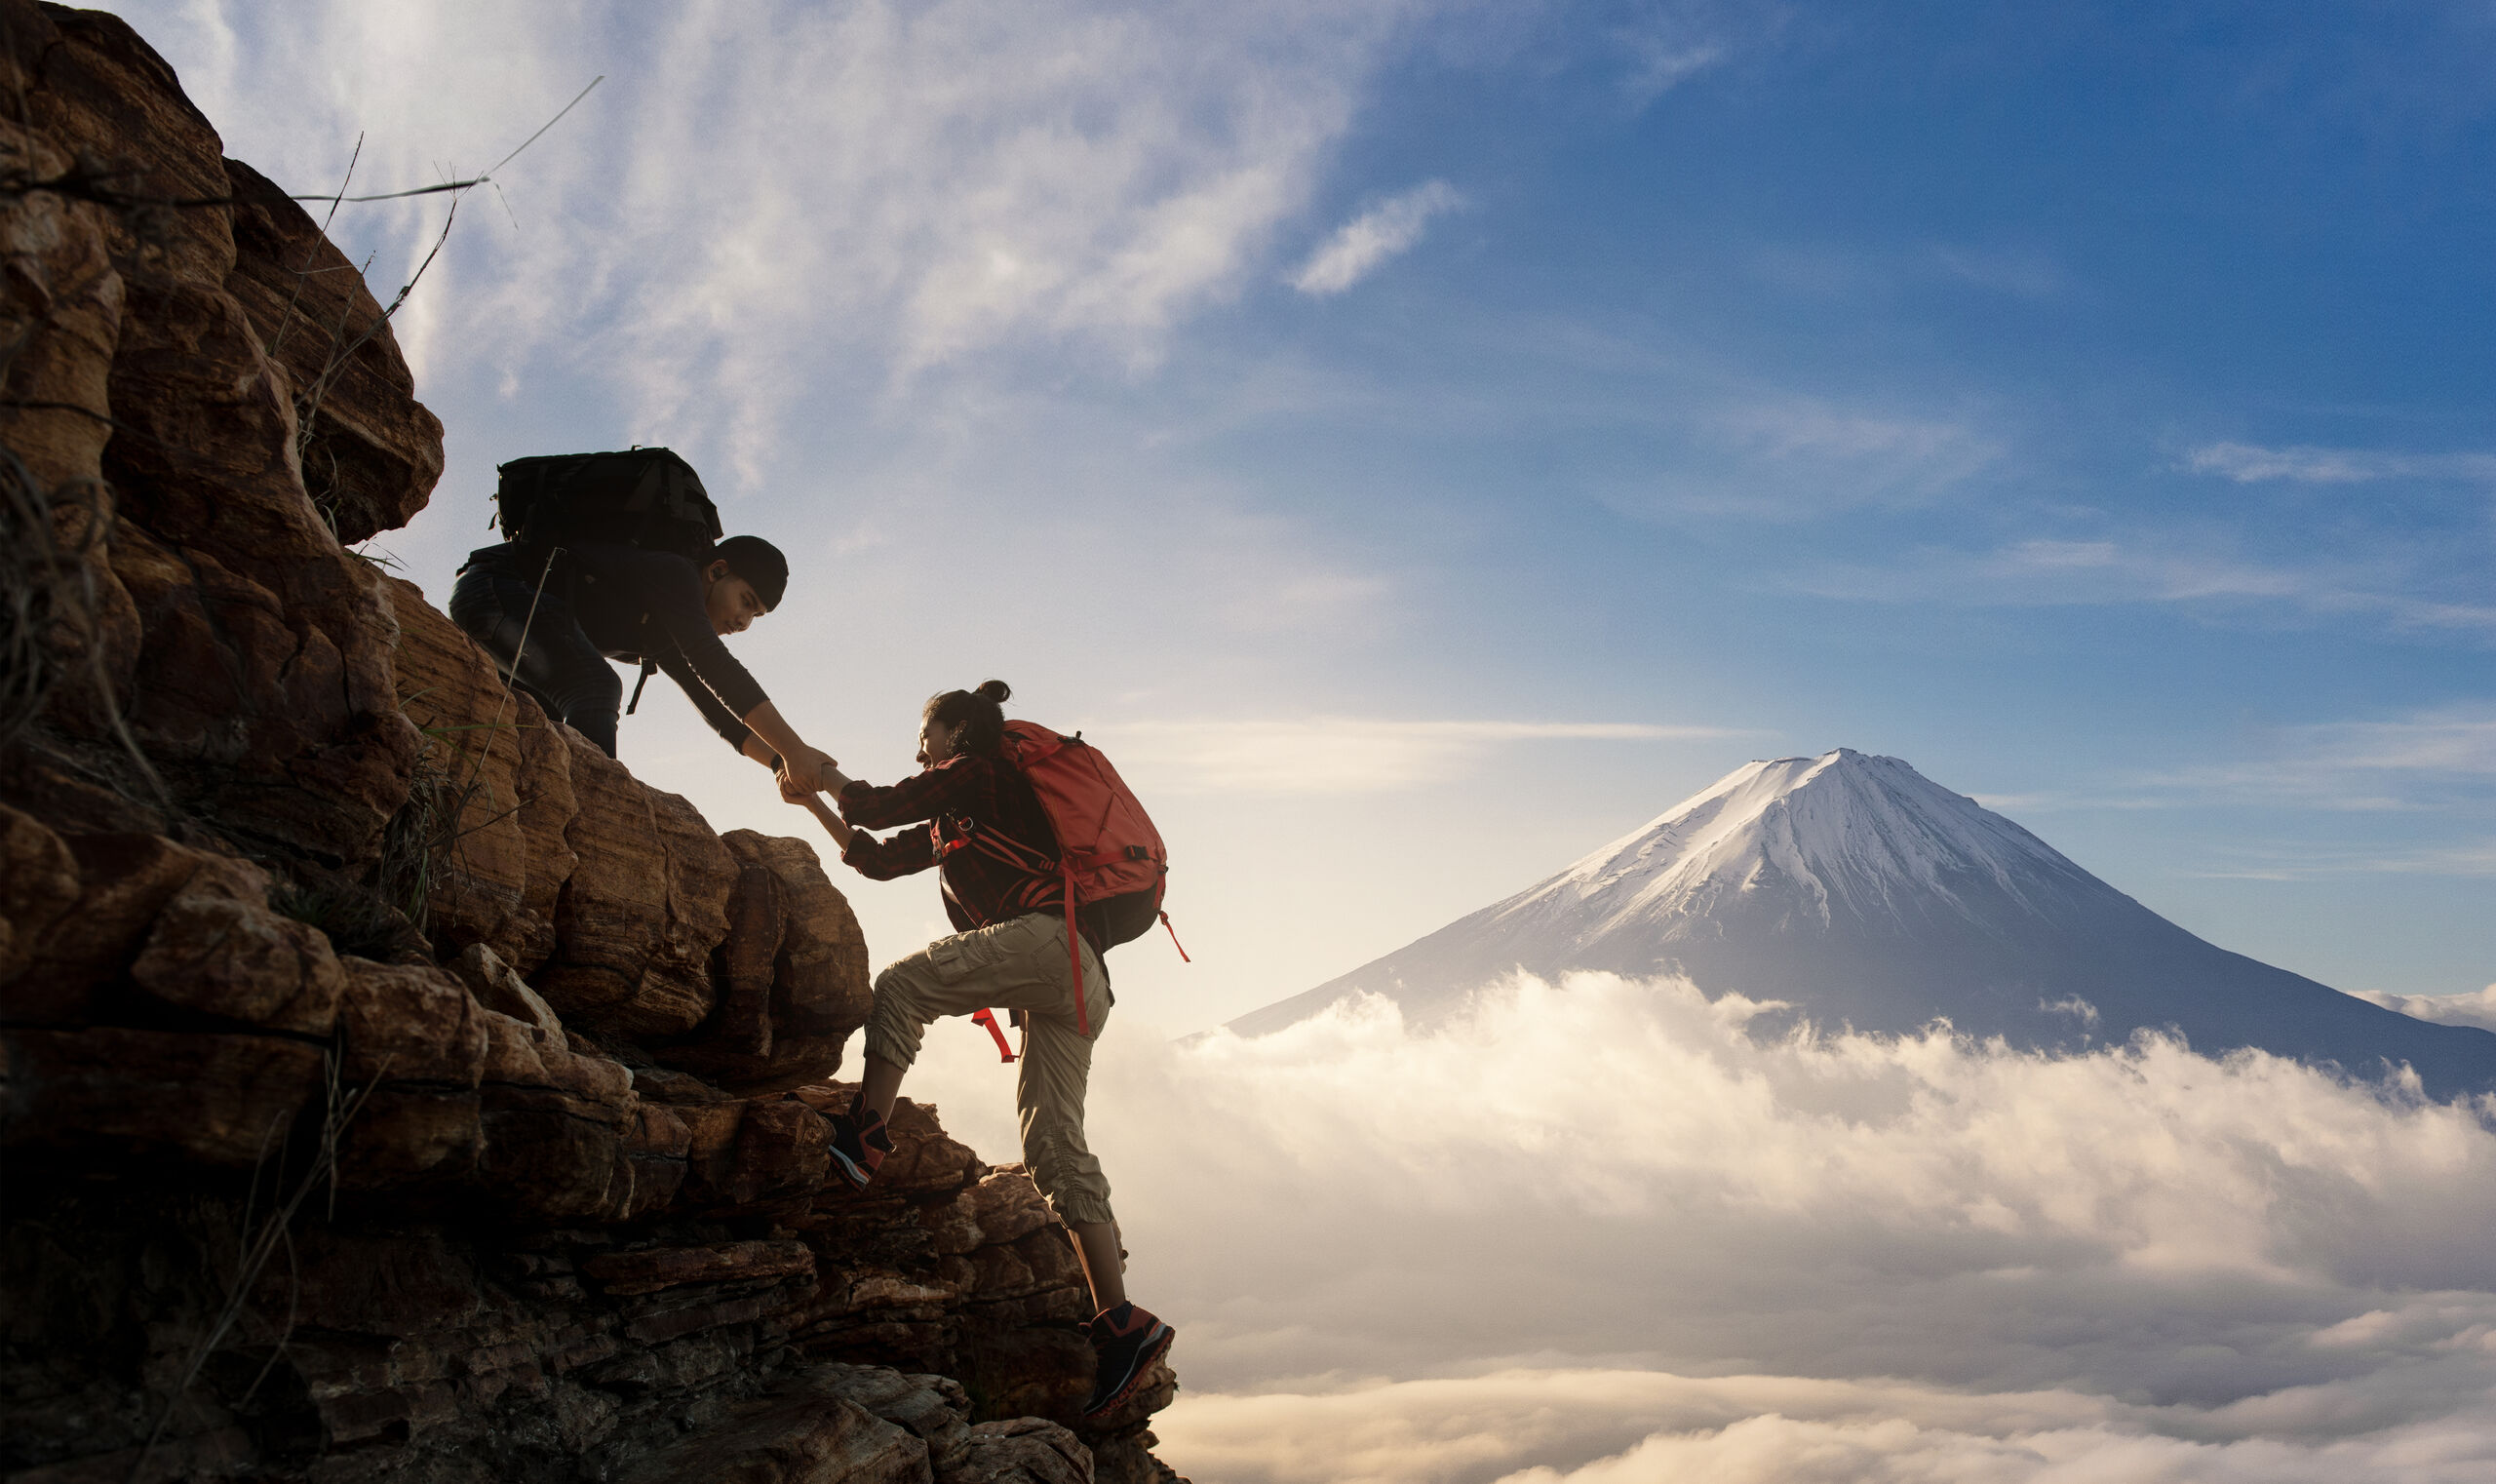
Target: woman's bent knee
x,y
897,1015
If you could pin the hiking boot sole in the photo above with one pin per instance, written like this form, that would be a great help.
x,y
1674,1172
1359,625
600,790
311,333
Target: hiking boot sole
x,y
858,1175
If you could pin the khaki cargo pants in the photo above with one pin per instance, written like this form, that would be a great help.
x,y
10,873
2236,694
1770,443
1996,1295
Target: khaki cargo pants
x,y
1018,965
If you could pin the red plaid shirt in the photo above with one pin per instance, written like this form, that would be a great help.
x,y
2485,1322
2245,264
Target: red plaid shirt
x,y
960,800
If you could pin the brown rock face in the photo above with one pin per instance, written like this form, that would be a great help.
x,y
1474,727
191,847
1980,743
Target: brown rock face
x,y
106,1094
791,976
497,783
220,952
370,451
391,1085
645,907
259,678
38,883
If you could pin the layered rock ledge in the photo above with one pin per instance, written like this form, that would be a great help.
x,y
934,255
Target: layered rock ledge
x,y
392,1086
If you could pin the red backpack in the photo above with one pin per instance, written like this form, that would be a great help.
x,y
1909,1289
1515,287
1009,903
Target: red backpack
x,y
1112,864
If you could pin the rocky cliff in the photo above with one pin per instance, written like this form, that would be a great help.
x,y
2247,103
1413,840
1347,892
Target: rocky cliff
x,y
395,1086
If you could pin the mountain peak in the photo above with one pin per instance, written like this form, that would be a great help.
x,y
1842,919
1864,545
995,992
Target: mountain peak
x,y
1854,833
1862,893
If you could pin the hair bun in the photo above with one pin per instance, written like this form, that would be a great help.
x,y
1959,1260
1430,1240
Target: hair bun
x,y
995,691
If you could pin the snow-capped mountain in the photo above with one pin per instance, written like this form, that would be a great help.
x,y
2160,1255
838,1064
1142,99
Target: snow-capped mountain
x,y
1864,894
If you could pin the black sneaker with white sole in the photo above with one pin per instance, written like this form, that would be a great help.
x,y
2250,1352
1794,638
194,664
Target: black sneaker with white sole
x,y
859,1143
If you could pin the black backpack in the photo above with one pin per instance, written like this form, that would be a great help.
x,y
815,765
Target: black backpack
x,y
645,497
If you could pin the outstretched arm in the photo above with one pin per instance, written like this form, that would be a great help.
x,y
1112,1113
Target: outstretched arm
x,y
879,860
834,825
798,762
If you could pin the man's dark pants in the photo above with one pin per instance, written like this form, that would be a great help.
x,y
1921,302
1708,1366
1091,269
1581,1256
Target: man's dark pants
x,y
558,665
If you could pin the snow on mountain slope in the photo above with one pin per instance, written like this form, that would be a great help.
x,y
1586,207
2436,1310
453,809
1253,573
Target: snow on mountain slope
x,y
1864,894
1842,836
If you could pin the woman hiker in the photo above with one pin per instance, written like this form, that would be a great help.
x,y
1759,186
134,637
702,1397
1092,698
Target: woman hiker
x,y
1010,951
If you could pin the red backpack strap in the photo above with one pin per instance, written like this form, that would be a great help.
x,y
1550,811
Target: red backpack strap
x,y
988,1018
1075,953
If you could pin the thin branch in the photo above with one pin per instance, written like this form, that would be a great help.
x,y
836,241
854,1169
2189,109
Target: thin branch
x,y
303,274
550,123
82,184
422,190
488,176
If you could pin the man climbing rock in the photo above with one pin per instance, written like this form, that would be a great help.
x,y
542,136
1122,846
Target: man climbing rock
x,y
616,556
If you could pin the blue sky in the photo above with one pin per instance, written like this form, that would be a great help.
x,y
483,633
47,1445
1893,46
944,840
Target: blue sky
x,y
1429,440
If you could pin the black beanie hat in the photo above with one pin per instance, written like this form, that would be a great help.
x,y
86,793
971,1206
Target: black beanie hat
x,y
758,561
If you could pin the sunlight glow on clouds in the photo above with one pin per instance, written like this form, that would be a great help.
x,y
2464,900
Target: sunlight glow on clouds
x,y
1383,231
1614,1220
1765,1430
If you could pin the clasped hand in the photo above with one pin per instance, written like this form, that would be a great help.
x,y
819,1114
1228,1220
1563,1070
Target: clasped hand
x,y
802,772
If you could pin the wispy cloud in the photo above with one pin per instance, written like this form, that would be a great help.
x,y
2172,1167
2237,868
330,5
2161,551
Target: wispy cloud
x,y
2046,572
1667,42
2441,742
2310,862
2306,464
768,200
1341,755
2022,274
1386,230
1796,457
2431,773
1306,600
2408,763
2478,1009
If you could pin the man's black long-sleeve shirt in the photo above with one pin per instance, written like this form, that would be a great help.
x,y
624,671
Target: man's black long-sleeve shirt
x,y
639,605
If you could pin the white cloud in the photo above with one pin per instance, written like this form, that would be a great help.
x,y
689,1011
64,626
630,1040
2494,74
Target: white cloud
x,y
2473,1009
773,204
2448,742
2419,762
2020,274
1386,230
2306,464
1615,1221
1342,755
2046,572
1645,1426
1307,598
1667,42
1784,458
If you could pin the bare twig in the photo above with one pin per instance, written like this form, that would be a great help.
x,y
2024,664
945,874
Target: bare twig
x,y
274,1235
303,273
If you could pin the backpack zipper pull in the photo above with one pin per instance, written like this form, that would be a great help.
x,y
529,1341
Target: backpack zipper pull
x,y
1174,939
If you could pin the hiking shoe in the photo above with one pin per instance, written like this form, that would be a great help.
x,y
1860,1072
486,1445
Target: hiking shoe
x,y
859,1143
1129,1340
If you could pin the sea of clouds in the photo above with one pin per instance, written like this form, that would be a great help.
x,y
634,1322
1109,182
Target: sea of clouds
x,y
1599,1231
